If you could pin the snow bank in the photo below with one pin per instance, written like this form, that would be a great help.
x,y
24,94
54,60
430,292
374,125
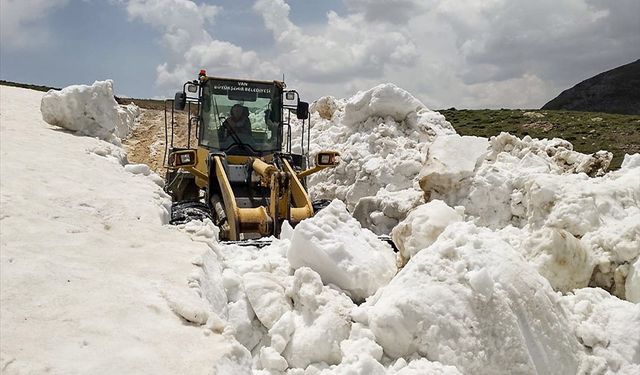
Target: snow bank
x,y
380,134
580,225
333,244
470,300
91,277
89,110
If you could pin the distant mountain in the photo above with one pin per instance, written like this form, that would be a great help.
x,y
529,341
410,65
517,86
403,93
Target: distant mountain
x,y
614,91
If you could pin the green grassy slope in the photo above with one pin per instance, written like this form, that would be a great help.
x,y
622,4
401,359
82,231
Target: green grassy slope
x,y
588,131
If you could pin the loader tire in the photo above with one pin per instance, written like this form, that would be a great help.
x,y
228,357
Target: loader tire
x,y
184,212
319,204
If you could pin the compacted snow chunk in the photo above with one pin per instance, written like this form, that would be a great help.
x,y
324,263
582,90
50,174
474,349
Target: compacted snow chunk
x,y
451,160
471,301
319,323
609,327
89,110
422,227
334,244
632,286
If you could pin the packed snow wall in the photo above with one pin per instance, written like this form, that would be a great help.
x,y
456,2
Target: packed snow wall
x,y
89,110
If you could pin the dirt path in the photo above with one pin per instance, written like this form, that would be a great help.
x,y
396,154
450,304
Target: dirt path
x,y
146,143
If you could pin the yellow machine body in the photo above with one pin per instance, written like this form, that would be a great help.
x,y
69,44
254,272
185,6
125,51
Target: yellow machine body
x,y
242,174
288,198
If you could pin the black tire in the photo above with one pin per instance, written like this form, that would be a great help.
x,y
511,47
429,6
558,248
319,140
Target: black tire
x,y
319,204
182,186
184,212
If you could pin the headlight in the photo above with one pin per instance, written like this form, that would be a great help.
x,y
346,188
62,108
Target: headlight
x,y
182,158
327,158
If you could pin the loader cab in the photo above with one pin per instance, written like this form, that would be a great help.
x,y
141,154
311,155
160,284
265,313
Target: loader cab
x,y
243,117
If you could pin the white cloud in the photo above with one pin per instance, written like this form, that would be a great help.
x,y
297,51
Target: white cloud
x,y
346,48
495,53
21,22
184,26
182,22
501,42
474,53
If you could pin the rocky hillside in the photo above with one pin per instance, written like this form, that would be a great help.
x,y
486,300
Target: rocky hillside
x,y
614,91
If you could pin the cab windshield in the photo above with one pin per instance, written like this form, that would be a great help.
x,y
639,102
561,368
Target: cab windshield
x,y
241,117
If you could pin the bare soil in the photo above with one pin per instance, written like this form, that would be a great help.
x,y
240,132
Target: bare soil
x,y
146,143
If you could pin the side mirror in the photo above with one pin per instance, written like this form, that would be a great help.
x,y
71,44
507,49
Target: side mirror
x,y
192,88
327,159
180,101
302,111
290,95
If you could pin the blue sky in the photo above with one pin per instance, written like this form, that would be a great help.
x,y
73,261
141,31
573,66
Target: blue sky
x,y
94,40
491,53
88,41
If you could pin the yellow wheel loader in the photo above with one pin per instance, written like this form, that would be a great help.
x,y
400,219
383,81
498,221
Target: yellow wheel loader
x,y
236,165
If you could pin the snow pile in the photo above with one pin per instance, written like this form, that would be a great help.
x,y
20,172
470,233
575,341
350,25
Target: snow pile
x,y
470,300
533,114
291,304
89,110
578,230
380,134
580,226
467,300
333,244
